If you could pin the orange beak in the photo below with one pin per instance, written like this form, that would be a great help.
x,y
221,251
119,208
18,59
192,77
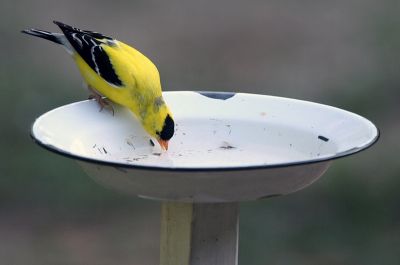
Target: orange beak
x,y
163,144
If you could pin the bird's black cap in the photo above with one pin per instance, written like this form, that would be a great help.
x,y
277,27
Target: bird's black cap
x,y
168,129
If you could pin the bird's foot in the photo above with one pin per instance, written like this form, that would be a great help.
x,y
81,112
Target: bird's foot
x,y
103,102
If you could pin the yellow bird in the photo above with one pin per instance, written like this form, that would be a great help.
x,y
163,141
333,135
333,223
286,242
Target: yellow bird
x,y
118,72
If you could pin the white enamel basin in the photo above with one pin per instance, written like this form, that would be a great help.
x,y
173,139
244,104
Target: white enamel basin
x,y
227,146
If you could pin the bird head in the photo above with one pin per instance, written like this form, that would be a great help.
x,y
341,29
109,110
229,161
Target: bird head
x,y
167,131
158,122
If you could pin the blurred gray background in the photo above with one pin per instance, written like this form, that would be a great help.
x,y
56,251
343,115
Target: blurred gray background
x,y
341,53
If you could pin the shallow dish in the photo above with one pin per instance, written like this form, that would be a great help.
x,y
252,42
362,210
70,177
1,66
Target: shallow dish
x,y
226,147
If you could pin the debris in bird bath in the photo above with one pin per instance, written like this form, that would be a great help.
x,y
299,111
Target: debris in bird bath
x,y
321,144
226,146
263,113
323,138
127,159
130,143
157,154
102,150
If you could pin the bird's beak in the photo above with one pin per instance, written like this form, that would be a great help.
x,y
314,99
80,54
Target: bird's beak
x,y
163,144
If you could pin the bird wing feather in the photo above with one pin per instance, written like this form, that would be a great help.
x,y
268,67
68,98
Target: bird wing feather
x,y
90,46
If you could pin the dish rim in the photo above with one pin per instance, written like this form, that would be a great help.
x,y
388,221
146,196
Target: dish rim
x,y
215,95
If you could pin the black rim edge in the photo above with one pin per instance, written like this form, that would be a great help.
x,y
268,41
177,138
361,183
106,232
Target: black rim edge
x,y
209,169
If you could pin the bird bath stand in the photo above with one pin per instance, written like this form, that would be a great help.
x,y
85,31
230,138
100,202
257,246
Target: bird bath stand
x,y
227,148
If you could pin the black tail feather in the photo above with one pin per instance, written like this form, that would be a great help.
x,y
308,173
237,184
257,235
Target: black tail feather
x,y
42,34
67,29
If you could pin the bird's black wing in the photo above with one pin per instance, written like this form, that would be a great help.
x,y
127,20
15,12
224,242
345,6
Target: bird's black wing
x,y
88,45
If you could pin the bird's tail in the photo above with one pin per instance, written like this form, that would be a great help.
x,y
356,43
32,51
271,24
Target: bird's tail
x,y
54,37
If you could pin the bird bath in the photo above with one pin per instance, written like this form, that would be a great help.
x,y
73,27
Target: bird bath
x,y
227,148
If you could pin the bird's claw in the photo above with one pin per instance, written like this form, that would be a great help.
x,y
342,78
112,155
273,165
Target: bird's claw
x,y
103,102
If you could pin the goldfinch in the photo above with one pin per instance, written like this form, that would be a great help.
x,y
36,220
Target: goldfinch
x,y
118,72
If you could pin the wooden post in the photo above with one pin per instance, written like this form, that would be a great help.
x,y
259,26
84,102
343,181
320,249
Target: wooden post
x,y
199,233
